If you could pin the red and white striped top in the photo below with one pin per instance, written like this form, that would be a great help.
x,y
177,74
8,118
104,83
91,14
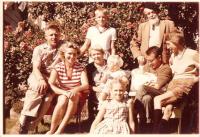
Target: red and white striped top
x,y
69,83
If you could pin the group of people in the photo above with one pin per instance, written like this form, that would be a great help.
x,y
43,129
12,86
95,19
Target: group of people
x,y
159,50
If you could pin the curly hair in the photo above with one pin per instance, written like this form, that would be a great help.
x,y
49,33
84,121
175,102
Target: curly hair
x,y
65,45
97,48
115,60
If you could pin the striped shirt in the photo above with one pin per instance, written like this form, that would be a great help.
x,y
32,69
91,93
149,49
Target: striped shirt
x,y
64,81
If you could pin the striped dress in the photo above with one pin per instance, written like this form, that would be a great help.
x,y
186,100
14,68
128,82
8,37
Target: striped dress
x,y
66,83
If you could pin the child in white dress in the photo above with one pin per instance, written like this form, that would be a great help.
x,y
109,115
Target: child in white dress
x,y
115,113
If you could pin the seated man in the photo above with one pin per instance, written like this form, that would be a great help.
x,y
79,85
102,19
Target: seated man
x,y
39,96
152,88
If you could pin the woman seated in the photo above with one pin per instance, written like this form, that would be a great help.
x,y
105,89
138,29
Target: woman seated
x,y
95,71
68,80
184,65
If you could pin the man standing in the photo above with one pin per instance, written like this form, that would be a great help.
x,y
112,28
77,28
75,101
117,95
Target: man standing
x,y
151,33
39,96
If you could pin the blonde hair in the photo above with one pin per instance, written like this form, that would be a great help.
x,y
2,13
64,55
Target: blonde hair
x,y
121,81
103,10
116,60
176,37
52,25
65,45
97,48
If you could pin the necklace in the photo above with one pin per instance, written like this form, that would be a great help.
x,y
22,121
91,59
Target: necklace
x,y
101,29
180,55
100,66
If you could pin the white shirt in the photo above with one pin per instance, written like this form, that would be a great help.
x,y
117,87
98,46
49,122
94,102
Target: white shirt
x,y
182,62
154,36
103,39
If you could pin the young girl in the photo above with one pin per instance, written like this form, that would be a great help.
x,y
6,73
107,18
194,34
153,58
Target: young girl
x,y
114,63
115,113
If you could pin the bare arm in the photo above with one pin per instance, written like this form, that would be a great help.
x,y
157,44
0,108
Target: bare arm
x,y
97,120
85,46
130,118
112,45
103,96
84,84
42,85
52,83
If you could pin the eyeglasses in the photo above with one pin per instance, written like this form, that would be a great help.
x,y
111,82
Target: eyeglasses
x,y
152,60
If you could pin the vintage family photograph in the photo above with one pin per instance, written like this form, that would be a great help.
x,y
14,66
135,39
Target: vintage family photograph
x,y
100,67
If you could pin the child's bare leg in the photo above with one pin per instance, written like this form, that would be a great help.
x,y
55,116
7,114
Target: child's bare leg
x,y
71,109
58,113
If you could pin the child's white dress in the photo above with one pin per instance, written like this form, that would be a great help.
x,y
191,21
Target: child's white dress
x,y
115,118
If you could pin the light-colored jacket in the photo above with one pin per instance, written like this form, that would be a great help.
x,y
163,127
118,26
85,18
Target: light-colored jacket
x,y
140,45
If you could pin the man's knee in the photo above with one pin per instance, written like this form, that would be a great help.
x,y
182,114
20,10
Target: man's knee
x,y
157,100
49,97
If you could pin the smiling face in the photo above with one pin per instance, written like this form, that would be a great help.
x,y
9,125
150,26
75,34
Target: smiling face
x,y
153,61
52,36
101,18
117,91
70,55
150,13
97,56
152,16
172,47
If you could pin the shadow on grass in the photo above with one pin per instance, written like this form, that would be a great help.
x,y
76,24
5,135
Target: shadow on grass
x,y
74,128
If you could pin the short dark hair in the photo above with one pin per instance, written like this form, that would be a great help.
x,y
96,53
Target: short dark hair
x,y
152,5
155,50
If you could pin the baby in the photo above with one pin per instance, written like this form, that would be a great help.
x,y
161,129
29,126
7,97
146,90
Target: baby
x,y
114,64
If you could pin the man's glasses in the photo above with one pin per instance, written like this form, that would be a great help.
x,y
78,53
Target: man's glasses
x,y
152,60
